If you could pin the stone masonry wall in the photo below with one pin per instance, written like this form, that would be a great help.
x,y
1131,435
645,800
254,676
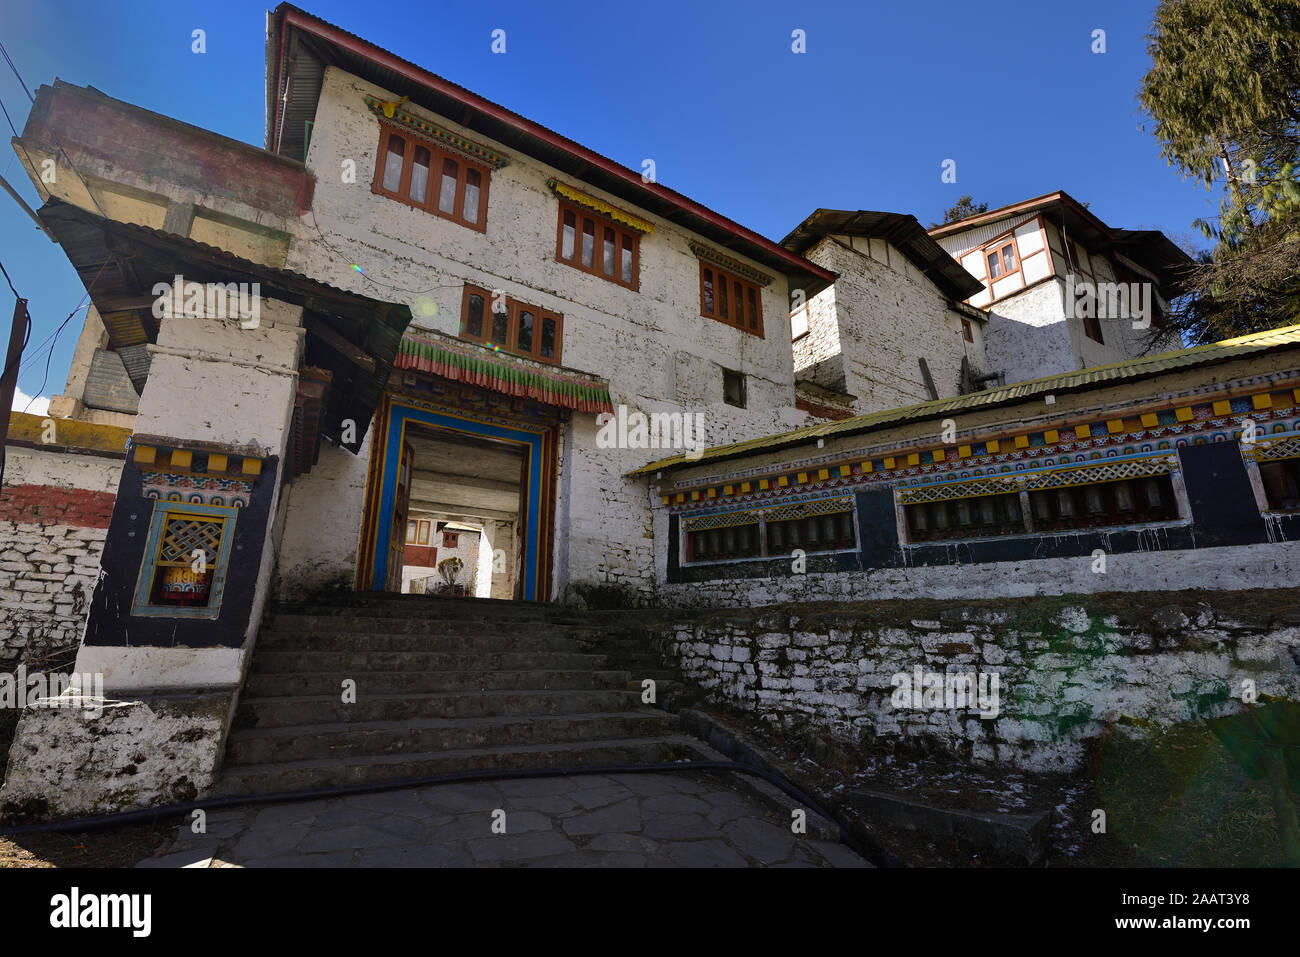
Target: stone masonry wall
x,y
51,536
1070,670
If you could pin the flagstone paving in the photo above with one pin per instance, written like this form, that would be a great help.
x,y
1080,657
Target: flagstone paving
x,y
687,819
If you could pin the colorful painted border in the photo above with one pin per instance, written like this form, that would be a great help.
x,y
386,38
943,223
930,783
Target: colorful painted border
x,y
431,131
540,444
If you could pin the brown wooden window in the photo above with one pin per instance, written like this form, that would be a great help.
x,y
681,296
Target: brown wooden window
x,y
1092,329
450,539
1002,260
426,177
728,298
733,388
417,532
514,326
966,332
598,245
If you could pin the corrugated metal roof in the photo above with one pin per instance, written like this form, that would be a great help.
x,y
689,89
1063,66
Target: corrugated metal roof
x,y
900,230
1287,337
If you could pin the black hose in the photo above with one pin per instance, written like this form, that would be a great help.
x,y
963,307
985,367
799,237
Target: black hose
x,y
79,825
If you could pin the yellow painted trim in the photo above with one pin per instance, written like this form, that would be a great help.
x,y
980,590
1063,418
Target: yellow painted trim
x,y
1262,401
729,490
664,499
712,493
145,454
782,481
1051,436
695,495
1150,420
992,445
681,497
252,467
745,486
846,471
913,458
1082,432
940,455
1223,407
963,451
1114,425
69,433
866,468
1022,441
217,462
181,458
600,206
889,462
803,477
1184,414
823,474
764,485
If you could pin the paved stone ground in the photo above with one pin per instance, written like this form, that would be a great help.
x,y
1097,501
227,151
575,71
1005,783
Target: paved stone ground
x,y
620,820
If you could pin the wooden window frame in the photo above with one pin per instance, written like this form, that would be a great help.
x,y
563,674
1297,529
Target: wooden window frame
x,y
999,246
450,539
421,537
600,222
967,331
747,287
513,310
433,188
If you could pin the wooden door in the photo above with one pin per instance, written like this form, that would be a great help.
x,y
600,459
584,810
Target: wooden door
x,y
401,508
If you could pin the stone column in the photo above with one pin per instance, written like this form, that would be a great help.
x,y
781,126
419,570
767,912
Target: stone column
x,y
167,643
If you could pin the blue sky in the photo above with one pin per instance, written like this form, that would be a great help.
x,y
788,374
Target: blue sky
x,y
711,91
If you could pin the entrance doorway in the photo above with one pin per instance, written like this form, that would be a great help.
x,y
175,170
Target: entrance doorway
x,y
463,515
458,506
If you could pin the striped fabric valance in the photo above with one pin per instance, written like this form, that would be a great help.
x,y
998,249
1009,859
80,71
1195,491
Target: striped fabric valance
x,y
501,372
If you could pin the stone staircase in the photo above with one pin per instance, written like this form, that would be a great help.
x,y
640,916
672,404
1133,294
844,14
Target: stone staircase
x,y
442,685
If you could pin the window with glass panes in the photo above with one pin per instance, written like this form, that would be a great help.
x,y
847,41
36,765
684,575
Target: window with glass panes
x,y
597,244
514,326
420,174
729,298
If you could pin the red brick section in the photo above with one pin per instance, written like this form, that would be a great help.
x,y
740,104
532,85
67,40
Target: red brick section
x,y
52,505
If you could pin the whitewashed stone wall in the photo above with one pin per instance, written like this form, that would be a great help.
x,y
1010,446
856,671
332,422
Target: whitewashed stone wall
x,y
54,512
1065,676
873,325
657,351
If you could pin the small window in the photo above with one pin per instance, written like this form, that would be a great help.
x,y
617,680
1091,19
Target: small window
x,y
450,539
733,388
730,299
514,326
606,249
1281,480
799,323
417,532
1002,261
966,332
1092,329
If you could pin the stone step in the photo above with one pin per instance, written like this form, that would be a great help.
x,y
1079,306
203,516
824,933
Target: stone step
x,y
449,641
380,625
330,772
350,664
423,735
269,685
290,711
451,609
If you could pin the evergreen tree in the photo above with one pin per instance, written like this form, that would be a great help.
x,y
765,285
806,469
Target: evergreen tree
x,y
1224,94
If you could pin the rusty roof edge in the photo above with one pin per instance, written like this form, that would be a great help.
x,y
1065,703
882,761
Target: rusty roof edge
x,y
1082,379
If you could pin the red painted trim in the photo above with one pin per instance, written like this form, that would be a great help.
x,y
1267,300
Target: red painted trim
x,y
474,101
55,505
